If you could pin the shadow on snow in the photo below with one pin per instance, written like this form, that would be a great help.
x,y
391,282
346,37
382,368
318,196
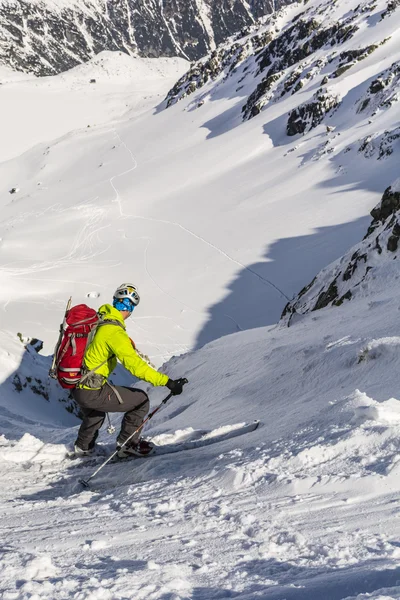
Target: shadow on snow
x,y
257,296
291,582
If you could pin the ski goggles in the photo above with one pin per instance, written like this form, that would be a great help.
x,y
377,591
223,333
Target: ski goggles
x,y
123,304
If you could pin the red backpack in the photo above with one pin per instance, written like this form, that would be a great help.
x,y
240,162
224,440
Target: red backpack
x,y
80,321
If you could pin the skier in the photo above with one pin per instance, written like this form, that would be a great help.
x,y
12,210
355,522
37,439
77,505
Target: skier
x,y
96,396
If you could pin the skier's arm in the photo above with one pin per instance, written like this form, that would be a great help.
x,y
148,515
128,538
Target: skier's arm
x,y
121,346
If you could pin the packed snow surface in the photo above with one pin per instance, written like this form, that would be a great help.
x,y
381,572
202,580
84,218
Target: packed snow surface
x,y
219,222
305,507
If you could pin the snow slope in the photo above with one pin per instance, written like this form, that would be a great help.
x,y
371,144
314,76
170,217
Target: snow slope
x,y
303,508
219,222
43,109
253,210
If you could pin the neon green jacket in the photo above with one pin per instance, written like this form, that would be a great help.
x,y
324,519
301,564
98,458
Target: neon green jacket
x,y
112,342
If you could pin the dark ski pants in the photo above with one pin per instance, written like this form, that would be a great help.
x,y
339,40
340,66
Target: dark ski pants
x,y
95,404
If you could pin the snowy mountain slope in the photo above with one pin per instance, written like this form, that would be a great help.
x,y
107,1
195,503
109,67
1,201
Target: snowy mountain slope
x,y
216,219
49,36
105,88
244,214
318,45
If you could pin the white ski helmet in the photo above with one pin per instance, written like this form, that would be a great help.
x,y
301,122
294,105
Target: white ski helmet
x,y
127,290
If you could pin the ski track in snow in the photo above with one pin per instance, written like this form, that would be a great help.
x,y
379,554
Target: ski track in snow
x,y
199,312
211,245
186,230
119,200
83,248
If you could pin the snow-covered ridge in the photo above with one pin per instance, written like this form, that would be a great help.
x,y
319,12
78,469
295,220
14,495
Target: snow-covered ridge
x,y
49,36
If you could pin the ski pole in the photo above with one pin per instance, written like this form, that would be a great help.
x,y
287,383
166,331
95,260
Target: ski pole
x,y
85,482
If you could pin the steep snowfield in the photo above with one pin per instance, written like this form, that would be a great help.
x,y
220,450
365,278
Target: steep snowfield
x,y
219,222
304,508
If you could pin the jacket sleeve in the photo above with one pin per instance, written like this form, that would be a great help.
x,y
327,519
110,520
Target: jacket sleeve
x,y
121,346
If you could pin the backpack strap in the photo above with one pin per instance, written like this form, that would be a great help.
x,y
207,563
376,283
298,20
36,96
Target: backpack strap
x,y
90,339
73,343
82,322
116,392
86,375
108,322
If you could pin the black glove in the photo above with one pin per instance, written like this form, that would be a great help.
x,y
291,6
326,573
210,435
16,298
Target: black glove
x,y
176,385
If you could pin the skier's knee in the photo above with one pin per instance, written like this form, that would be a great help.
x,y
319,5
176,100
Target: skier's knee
x,y
145,404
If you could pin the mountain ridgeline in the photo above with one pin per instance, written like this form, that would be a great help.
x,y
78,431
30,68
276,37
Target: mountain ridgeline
x,y
48,37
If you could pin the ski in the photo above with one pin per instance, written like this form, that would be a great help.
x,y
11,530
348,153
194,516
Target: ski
x,y
203,438
214,436
206,438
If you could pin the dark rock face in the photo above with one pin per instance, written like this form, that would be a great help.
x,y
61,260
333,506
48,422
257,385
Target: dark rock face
x,y
388,206
328,296
307,116
260,8
42,39
383,91
227,17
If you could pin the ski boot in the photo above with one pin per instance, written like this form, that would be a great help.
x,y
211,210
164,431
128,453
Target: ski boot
x,y
140,448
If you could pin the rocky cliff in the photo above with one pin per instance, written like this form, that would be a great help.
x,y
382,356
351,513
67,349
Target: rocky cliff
x,y
45,37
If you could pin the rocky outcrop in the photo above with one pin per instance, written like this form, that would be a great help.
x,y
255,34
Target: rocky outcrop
x,y
224,59
381,146
383,91
45,38
352,57
388,206
307,116
343,280
392,5
31,376
293,47
279,63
